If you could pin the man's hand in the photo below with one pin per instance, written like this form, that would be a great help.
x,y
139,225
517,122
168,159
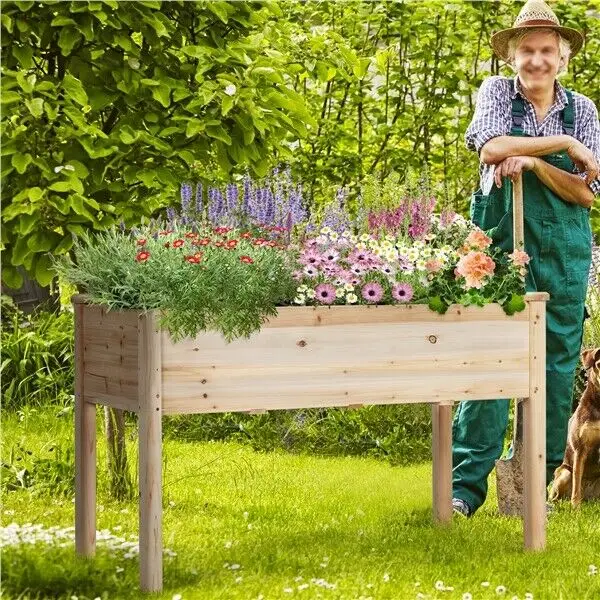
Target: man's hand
x,y
512,167
584,160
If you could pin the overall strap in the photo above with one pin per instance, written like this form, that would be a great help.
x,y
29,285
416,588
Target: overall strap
x,y
518,115
568,116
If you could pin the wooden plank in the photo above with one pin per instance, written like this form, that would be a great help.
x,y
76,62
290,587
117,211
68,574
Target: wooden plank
x,y
85,450
150,453
112,391
534,434
298,367
442,462
338,315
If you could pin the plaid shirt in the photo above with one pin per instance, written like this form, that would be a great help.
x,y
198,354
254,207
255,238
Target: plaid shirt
x,y
493,118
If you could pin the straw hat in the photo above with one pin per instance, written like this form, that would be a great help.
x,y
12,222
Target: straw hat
x,y
535,14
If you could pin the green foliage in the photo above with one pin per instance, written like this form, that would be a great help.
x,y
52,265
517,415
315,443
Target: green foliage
x,y
231,284
37,357
398,434
53,473
107,106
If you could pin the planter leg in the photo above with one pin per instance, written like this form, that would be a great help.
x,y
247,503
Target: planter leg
x,y
150,453
85,452
534,433
441,417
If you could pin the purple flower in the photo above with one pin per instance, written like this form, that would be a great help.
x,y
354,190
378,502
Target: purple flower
x,y
357,269
402,292
325,293
331,255
199,198
171,215
186,197
310,271
311,257
387,269
372,292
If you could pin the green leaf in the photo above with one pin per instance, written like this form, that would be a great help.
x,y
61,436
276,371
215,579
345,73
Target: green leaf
x,y
64,245
36,107
515,304
44,271
217,132
7,22
226,105
127,135
438,305
187,156
11,276
70,185
24,54
62,20
194,126
67,39
75,90
27,223
9,97
20,162
35,193
195,51
219,9
162,94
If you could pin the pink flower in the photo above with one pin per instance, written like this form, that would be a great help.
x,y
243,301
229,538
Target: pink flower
x,y
357,269
475,267
478,240
311,258
402,292
331,255
325,293
519,258
372,292
433,265
311,271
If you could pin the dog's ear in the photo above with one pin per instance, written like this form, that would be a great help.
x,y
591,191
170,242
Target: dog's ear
x,y
589,357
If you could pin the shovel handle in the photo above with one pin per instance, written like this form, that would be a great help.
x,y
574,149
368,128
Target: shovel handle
x,y
518,229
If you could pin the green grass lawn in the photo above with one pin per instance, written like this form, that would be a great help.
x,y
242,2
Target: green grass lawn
x,y
245,525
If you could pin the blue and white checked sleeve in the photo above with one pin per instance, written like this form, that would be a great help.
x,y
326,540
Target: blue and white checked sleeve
x,y
492,116
590,138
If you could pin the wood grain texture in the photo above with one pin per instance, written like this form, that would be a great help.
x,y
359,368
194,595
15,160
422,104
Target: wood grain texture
x,y
341,364
534,434
150,453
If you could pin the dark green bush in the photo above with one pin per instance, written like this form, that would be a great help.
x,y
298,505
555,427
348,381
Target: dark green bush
x,y
37,357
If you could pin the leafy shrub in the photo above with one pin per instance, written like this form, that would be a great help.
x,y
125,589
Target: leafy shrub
x,y
37,357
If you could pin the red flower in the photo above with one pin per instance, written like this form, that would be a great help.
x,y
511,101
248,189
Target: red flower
x,y
141,242
258,241
219,244
202,242
195,259
178,243
271,244
232,243
166,232
142,256
246,235
222,230
246,259
191,235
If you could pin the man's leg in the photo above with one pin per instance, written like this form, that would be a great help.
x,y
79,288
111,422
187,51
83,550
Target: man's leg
x,y
477,442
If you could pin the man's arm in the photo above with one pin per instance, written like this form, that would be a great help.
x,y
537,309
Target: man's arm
x,y
499,148
568,187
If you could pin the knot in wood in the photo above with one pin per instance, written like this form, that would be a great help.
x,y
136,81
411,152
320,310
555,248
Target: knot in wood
x,y
301,343
432,339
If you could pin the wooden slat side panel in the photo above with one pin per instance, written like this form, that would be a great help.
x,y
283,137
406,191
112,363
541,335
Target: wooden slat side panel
x,y
338,315
338,365
110,357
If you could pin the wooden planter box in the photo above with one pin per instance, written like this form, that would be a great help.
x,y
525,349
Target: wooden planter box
x,y
306,357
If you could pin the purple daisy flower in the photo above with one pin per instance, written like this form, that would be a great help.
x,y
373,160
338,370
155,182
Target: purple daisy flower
x,y
402,292
311,271
372,292
331,255
357,269
387,269
325,293
311,258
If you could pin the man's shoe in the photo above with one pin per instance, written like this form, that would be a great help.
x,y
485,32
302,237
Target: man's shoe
x,y
460,507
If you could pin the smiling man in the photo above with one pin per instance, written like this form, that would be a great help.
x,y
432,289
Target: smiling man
x,y
532,125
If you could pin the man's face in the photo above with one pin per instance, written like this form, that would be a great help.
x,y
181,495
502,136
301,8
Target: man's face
x,y
537,59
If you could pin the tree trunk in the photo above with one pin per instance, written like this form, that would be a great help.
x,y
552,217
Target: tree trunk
x,y
121,486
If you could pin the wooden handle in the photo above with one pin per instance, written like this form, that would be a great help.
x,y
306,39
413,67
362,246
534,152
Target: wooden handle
x,y
518,232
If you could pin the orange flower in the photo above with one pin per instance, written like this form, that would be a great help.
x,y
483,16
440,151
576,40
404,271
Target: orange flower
x,y
475,267
141,242
478,240
142,256
178,243
232,244
433,265
194,259
219,244
246,259
246,235
202,242
166,232
519,258
191,235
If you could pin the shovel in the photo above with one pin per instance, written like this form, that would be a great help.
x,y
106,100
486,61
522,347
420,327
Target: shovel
x,y
509,471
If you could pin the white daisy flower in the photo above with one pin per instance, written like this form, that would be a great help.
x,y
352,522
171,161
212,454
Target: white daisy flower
x,y
299,299
230,90
351,299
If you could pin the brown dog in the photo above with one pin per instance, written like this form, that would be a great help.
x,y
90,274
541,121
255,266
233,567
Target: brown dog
x,y
579,475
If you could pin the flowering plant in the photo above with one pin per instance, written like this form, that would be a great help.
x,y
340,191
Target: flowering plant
x,y
227,264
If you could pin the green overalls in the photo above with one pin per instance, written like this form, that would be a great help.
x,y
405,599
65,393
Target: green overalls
x,y
558,240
